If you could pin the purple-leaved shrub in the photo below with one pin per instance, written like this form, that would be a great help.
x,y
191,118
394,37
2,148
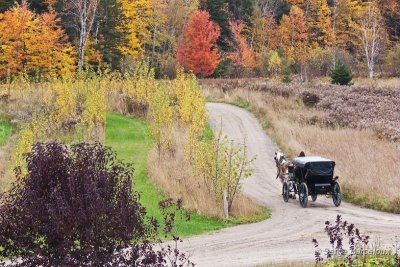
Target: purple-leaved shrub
x,y
76,206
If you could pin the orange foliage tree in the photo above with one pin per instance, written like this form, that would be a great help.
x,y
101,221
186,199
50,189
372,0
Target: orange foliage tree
x,y
294,39
243,57
197,50
293,32
33,44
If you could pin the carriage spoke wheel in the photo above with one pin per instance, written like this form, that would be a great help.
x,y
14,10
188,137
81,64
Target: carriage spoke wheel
x,y
314,197
336,194
303,195
285,192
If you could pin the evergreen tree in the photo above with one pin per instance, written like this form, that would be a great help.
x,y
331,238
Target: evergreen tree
x,y
5,4
39,6
242,10
341,75
219,14
109,35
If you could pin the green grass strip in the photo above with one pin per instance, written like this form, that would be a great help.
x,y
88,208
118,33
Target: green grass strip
x,y
5,131
129,138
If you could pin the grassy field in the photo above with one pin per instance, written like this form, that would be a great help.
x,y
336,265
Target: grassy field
x,y
129,138
5,131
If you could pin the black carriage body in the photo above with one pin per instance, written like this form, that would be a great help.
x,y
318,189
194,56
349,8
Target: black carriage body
x,y
316,172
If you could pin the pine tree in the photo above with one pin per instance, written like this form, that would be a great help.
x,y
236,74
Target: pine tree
x,y
110,36
242,10
219,14
341,74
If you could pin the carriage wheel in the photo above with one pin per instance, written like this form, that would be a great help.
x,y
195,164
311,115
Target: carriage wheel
x,y
314,197
303,195
285,192
337,194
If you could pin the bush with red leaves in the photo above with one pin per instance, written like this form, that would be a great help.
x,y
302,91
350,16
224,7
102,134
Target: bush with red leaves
x,y
76,207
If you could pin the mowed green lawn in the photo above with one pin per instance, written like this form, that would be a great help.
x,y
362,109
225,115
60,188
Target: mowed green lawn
x,y
129,138
5,131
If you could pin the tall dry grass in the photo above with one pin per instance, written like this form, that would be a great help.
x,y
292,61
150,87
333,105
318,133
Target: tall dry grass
x,y
367,165
173,174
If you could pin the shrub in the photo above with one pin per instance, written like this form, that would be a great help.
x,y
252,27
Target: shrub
x,y
76,207
341,74
355,253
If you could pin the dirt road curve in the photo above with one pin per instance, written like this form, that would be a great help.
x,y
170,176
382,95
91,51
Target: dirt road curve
x,y
286,237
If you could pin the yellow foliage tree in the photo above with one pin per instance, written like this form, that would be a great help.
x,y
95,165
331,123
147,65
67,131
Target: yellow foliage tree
x,y
348,12
65,103
275,64
319,24
94,110
191,105
161,118
138,14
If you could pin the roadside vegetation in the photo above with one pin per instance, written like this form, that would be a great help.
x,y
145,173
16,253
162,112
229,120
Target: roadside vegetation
x,y
355,126
75,111
129,138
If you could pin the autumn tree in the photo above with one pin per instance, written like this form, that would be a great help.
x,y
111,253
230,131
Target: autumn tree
x,y
263,33
319,23
175,16
197,51
346,29
243,57
373,35
275,64
137,15
293,33
161,118
34,44
82,14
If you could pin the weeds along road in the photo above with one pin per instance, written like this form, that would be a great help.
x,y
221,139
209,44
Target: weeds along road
x,y
287,235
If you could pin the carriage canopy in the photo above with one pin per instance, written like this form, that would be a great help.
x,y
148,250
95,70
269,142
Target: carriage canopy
x,y
317,166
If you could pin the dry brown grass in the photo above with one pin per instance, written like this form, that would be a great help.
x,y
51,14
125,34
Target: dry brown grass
x,y
367,165
172,173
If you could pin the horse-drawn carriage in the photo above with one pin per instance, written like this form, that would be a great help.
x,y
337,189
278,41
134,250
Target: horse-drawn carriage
x,y
311,176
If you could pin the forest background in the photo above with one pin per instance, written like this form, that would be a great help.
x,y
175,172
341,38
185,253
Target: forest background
x,y
212,38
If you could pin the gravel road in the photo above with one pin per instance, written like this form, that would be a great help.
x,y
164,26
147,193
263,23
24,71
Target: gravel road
x,y
287,235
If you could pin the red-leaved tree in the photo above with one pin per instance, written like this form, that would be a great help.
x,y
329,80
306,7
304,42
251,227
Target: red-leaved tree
x,y
243,57
197,50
